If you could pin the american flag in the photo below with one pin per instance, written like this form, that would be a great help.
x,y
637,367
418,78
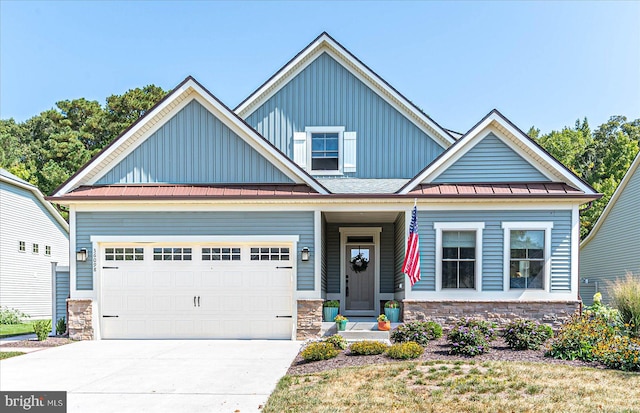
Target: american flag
x,y
411,265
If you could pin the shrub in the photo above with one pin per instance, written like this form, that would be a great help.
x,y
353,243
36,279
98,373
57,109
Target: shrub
x,y
332,303
368,347
11,316
579,335
339,342
319,351
408,350
619,352
626,298
526,334
391,304
598,309
471,337
42,329
61,326
418,331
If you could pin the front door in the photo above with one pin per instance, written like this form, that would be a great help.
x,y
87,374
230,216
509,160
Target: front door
x,y
360,285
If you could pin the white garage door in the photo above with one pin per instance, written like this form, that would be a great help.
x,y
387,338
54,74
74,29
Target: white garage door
x,y
196,291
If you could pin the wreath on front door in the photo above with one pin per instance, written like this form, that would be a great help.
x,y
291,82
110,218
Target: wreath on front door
x,y
359,263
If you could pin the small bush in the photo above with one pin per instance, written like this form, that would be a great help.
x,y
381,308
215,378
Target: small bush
x,y
339,342
579,335
368,347
319,351
332,303
61,326
471,337
619,352
408,350
420,332
42,328
526,334
11,316
391,304
626,298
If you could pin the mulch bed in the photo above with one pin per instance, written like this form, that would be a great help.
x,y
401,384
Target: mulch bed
x,y
49,342
436,350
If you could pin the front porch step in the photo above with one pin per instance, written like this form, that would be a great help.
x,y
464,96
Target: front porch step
x,y
359,330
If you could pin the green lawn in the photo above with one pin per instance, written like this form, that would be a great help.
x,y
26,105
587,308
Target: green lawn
x,y
459,386
8,330
9,354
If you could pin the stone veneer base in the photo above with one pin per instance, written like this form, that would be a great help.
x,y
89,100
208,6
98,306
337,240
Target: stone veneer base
x,y
309,323
80,319
446,313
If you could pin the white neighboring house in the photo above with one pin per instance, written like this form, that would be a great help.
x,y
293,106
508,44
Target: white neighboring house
x,y
32,236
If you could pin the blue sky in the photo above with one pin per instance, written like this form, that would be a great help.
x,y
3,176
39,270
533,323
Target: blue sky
x,y
540,63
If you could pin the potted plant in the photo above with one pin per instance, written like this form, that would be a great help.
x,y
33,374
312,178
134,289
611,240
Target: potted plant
x,y
392,310
341,322
330,309
383,323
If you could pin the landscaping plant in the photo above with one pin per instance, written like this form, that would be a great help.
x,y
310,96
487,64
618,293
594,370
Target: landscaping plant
x,y
597,308
471,337
526,334
319,351
11,316
339,342
61,326
404,351
368,347
420,332
391,304
331,303
619,352
626,298
578,337
42,329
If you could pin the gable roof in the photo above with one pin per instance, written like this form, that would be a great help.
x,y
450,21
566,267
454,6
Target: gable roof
x,y
188,90
522,144
11,179
326,44
614,198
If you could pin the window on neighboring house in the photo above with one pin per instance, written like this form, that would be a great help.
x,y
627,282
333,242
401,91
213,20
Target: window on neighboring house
x,y
47,250
325,153
22,246
36,248
458,259
527,255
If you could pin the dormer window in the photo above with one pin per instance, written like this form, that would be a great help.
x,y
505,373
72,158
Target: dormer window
x,y
325,150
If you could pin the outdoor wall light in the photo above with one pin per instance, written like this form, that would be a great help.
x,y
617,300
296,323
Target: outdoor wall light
x,y
81,255
304,254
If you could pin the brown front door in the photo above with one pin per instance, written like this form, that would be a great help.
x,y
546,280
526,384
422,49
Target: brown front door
x,y
360,286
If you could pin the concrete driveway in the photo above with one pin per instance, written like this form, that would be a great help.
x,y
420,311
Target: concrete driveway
x,y
155,375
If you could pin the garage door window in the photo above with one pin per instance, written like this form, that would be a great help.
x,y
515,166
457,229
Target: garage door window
x,y
172,254
221,254
269,254
124,254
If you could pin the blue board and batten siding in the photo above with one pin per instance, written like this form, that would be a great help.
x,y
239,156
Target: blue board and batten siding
x,y
194,147
196,224
491,160
326,94
493,244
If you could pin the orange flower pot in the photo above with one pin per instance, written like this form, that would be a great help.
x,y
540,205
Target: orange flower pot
x,y
384,325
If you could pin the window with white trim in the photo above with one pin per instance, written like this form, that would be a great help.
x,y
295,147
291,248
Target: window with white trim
x,y
270,254
47,250
22,246
527,255
36,249
325,150
221,254
124,254
458,255
172,254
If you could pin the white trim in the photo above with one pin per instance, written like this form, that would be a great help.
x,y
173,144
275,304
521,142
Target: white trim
x,y
54,282
575,251
614,198
499,125
478,228
345,232
317,253
507,227
100,165
522,296
324,44
192,238
310,130
72,253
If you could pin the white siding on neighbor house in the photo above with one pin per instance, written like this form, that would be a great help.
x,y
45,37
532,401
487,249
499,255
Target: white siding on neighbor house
x,y
614,249
25,277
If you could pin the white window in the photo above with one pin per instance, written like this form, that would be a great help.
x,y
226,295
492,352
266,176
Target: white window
x,y
22,246
527,257
270,254
36,249
221,254
172,254
124,254
325,150
47,250
458,255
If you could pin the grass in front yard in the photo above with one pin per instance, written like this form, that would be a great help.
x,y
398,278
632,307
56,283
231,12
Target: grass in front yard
x,y
458,386
8,330
9,354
